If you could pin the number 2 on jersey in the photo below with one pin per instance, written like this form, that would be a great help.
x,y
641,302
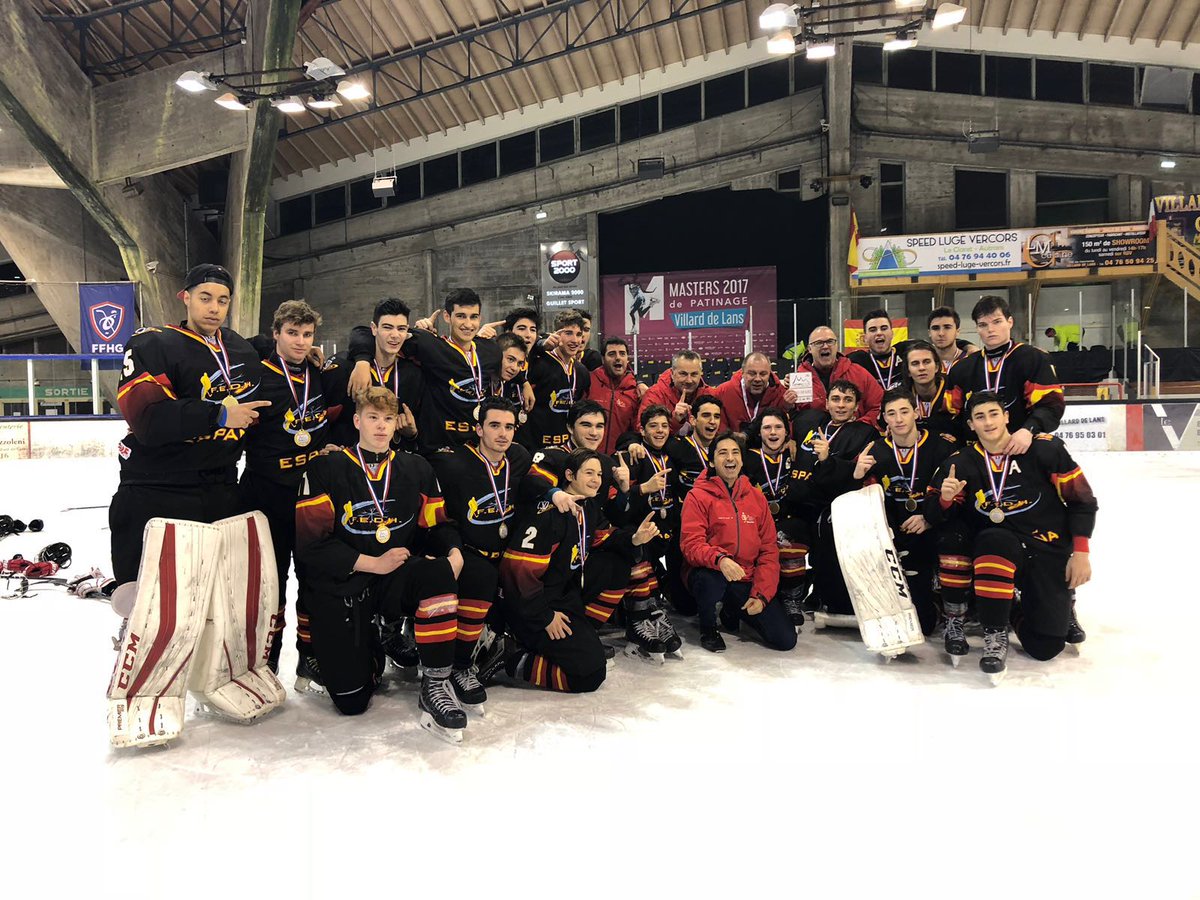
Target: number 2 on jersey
x,y
530,534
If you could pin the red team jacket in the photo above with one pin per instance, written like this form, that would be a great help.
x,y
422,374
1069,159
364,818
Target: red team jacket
x,y
719,523
736,415
665,393
871,392
620,401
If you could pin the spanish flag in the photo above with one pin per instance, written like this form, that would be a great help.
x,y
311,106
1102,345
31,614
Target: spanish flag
x,y
852,254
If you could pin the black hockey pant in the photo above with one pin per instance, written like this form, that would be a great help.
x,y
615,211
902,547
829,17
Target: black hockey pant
x,y
345,638
1003,561
477,584
278,503
573,664
709,587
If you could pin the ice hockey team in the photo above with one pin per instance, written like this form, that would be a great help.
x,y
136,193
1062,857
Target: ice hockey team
x,y
483,505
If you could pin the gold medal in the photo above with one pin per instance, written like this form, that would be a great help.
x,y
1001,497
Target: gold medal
x,y
773,507
996,515
229,401
911,504
503,531
303,438
522,416
383,534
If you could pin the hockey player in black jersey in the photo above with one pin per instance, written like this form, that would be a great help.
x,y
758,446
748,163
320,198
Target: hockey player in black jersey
x,y
769,468
1019,373
824,462
927,384
903,462
884,362
510,379
189,392
546,573
290,433
559,380
456,371
480,483
381,364
1030,516
371,528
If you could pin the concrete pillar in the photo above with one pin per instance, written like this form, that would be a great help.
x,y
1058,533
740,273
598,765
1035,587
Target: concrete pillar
x,y
271,36
838,88
1022,198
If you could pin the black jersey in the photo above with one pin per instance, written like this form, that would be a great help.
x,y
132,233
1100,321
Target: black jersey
x,y
932,414
402,378
657,502
556,387
476,503
813,483
905,473
769,472
889,370
547,472
1043,493
455,382
171,390
291,432
1023,377
689,459
337,517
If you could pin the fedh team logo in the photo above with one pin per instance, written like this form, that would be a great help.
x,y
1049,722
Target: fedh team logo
x,y
106,319
564,266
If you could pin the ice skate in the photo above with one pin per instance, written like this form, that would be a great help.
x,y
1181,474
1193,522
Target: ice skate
x,y
441,715
490,663
641,633
308,676
711,640
1075,633
995,654
955,639
671,642
794,607
400,645
823,618
469,690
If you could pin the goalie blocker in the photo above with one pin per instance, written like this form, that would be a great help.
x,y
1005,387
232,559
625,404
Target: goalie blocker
x,y
201,621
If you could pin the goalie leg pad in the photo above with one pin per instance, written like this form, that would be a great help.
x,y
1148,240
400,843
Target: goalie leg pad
x,y
175,579
874,573
231,678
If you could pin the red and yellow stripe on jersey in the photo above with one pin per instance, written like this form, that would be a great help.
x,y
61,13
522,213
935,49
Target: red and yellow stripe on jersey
x,y
525,569
144,391
314,520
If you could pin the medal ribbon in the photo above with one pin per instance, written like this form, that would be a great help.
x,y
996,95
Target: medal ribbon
x,y
301,408
501,504
387,484
474,365
825,432
774,485
746,402
659,463
581,525
987,369
568,369
997,493
222,358
887,385
912,479
383,381
699,452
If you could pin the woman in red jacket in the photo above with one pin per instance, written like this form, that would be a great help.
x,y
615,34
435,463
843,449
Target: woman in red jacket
x,y
730,552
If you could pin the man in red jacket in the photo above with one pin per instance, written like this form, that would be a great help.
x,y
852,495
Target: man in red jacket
x,y
677,388
752,389
731,556
614,388
826,366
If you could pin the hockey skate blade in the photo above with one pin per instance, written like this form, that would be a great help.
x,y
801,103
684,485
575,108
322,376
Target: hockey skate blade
x,y
996,677
955,660
1074,648
205,709
633,651
308,686
449,735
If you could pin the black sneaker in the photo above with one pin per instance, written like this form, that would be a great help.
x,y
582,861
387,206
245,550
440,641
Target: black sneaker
x,y
711,640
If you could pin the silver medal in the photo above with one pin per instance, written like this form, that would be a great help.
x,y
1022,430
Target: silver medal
x,y
910,504
662,513
996,515
503,531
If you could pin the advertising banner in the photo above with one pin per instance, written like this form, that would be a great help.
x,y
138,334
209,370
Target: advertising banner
x,y
564,274
106,317
1008,250
712,309
1171,426
14,440
1180,213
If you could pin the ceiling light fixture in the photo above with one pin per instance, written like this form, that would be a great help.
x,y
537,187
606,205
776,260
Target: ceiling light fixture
x,y
1166,163
903,40
540,214
195,82
353,90
230,100
322,68
782,43
819,49
948,14
778,16
323,101
290,104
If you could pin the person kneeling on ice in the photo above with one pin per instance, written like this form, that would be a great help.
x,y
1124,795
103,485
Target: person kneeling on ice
x,y
1029,516
731,556
543,574
372,533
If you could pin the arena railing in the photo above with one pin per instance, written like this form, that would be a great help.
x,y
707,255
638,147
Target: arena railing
x,y
58,385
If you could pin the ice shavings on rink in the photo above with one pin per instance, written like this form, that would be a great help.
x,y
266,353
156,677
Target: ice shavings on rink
x,y
820,773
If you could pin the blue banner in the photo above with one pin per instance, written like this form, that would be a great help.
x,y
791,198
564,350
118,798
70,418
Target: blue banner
x,y
106,317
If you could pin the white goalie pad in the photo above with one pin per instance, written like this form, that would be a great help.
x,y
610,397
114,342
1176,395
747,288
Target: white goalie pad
x,y
874,574
231,678
175,580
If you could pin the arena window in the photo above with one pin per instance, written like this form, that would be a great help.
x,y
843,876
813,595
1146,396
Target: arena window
x,y
1008,76
681,107
980,199
479,164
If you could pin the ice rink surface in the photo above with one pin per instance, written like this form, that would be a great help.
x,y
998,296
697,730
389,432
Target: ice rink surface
x,y
819,773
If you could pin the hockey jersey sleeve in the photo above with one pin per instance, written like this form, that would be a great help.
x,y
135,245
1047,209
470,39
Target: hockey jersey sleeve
x,y
362,345
315,540
544,476
1072,486
148,399
1043,395
523,565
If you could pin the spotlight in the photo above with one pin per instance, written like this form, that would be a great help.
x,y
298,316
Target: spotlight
x,y
323,101
384,186
230,100
540,214
866,181
778,16
902,41
292,104
195,82
819,49
353,90
781,44
948,14
321,68
132,188
1166,163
